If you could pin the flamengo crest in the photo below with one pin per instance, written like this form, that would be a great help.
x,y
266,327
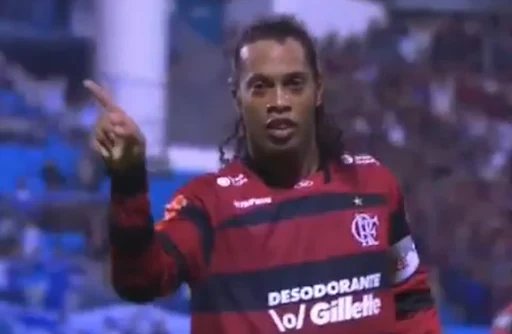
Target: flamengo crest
x,y
364,229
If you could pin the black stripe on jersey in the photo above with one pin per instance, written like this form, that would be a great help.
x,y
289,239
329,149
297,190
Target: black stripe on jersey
x,y
201,219
130,240
303,207
172,250
141,294
411,302
399,226
249,291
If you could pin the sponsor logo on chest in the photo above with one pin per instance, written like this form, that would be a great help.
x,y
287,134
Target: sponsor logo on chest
x,y
320,313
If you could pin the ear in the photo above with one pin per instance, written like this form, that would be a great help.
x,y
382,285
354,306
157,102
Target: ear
x,y
319,91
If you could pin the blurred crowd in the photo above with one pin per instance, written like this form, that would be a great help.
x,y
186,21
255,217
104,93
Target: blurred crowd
x,y
436,109
429,96
47,136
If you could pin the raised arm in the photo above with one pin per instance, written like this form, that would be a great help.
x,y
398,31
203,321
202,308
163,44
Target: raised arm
x,y
147,261
150,261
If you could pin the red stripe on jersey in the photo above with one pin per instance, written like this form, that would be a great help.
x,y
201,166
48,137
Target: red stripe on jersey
x,y
301,240
306,229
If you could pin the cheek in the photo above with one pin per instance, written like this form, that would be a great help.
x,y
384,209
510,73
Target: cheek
x,y
254,117
253,111
309,121
306,109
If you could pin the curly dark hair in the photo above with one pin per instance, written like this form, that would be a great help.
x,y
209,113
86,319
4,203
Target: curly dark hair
x,y
281,27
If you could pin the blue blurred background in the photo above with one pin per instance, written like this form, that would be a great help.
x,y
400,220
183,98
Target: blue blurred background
x,y
425,86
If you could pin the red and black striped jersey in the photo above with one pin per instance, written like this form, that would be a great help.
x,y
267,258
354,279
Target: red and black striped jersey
x,y
333,254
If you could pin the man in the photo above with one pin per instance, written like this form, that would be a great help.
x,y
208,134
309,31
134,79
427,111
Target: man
x,y
290,235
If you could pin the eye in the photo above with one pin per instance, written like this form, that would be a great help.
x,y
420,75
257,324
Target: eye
x,y
259,85
295,84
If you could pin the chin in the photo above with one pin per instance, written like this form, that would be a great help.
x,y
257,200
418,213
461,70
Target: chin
x,y
291,145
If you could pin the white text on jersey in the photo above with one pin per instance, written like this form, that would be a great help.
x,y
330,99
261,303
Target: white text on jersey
x,y
252,202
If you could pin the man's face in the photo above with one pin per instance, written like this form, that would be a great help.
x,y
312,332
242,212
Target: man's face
x,y
277,95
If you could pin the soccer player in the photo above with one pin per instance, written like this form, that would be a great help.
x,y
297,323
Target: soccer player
x,y
291,235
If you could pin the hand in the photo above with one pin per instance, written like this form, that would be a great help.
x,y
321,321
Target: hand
x,y
117,138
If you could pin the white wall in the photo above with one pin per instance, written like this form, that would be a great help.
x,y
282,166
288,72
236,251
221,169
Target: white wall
x,y
132,50
345,17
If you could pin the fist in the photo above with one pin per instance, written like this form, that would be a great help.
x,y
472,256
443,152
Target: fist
x,y
116,136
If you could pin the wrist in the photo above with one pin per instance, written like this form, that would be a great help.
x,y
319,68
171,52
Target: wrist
x,y
131,181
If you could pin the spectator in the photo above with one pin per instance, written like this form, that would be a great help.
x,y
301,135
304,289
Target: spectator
x,y
9,231
22,193
31,239
52,176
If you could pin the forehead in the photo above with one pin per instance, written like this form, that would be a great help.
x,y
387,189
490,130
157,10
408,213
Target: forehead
x,y
273,58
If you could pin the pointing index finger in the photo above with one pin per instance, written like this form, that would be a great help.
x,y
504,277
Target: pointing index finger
x,y
99,94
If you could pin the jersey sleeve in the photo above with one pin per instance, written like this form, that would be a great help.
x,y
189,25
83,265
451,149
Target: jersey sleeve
x,y
148,260
415,307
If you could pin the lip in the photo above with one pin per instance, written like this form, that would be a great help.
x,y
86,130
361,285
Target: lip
x,y
281,130
280,124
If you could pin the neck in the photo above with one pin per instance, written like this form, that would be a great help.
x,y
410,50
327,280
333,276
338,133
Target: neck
x,y
286,169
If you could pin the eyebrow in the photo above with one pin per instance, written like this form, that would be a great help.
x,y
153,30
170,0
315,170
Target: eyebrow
x,y
262,76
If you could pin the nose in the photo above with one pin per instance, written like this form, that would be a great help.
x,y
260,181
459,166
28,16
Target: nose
x,y
280,102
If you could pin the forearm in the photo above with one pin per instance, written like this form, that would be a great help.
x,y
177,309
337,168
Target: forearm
x,y
144,276
143,268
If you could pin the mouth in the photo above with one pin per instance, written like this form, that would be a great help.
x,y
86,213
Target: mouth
x,y
281,129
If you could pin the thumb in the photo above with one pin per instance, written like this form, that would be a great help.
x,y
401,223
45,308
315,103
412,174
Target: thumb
x,y
118,150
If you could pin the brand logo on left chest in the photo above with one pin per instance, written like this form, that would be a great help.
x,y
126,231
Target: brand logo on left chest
x,y
232,181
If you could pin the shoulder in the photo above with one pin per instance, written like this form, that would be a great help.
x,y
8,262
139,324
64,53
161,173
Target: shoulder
x,y
371,175
369,167
197,186
206,186
374,177
359,160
